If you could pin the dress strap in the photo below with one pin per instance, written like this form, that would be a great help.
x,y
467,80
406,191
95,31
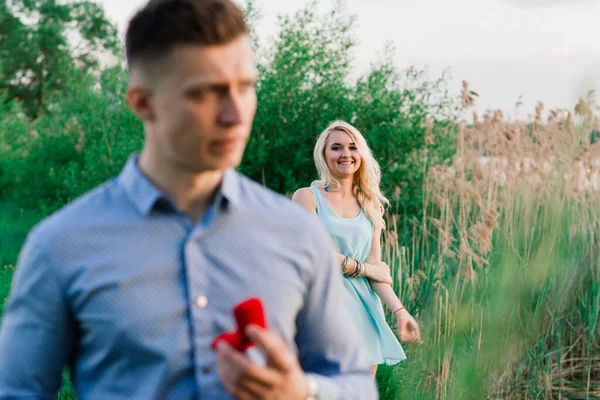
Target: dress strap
x,y
318,197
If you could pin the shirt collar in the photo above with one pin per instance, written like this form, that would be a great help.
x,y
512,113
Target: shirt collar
x,y
230,188
145,196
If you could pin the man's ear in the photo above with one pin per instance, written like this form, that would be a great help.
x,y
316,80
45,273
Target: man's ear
x,y
138,98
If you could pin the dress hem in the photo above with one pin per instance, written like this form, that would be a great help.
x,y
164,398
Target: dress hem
x,y
390,361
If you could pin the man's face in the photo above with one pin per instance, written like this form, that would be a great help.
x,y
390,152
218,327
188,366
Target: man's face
x,y
202,106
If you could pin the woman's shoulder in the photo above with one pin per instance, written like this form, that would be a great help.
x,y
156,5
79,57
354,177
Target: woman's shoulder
x,y
305,198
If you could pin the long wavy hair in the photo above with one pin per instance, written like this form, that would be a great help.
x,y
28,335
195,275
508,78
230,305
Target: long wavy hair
x,y
365,186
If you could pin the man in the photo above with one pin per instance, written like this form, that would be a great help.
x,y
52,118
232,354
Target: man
x,y
129,284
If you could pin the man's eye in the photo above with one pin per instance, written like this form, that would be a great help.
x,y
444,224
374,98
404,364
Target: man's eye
x,y
197,93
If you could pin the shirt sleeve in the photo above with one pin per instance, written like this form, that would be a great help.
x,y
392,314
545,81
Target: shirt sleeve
x,y
328,342
35,329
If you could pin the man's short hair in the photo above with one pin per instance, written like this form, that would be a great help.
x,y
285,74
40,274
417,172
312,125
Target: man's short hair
x,y
163,25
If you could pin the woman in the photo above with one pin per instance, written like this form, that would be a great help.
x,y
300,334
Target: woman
x,y
347,199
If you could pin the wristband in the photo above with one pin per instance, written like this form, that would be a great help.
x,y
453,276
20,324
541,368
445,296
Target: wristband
x,y
401,308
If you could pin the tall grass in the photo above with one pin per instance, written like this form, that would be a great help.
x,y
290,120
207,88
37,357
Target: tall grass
x,y
503,269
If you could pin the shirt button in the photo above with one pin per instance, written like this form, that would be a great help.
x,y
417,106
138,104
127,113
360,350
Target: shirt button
x,y
207,370
201,301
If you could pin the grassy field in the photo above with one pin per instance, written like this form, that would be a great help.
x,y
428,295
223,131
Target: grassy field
x,y
502,271
504,268
523,326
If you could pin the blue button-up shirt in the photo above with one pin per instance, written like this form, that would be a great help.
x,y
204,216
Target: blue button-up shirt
x,y
129,292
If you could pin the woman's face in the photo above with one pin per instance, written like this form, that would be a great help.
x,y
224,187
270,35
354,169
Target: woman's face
x,y
341,154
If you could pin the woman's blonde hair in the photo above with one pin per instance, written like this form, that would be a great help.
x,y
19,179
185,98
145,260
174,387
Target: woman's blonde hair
x,y
366,180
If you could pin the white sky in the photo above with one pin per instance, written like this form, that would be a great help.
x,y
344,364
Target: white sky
x,y
546,50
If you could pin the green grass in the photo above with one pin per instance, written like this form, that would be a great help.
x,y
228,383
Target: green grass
x,y
525,328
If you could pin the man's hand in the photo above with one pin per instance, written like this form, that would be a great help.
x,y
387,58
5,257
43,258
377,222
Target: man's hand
x,y
281,379
408,328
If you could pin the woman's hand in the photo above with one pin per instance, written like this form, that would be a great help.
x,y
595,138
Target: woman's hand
x,y
379,272
408,329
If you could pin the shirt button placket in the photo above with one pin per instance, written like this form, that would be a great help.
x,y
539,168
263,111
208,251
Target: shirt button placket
x,y
197,269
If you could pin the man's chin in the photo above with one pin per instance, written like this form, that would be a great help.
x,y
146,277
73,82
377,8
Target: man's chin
x,y
222,163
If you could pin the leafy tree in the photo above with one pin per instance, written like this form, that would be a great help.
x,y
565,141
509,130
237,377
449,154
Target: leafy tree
x,y
42,42
87,132
301,89
305,84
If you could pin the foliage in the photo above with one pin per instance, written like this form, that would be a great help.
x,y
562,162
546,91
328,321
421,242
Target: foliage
x,y
86,131
37,50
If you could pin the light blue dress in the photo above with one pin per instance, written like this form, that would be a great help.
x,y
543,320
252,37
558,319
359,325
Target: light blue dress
x,y
352,237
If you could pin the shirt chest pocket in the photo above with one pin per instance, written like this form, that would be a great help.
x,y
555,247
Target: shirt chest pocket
x,y
135,303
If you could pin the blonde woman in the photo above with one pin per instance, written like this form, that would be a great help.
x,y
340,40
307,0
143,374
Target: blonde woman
x,y
348,201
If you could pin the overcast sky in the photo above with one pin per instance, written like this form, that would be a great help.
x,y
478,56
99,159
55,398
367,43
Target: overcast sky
x,y
546,50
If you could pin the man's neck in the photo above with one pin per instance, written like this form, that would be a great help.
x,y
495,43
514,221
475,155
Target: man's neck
x,y
192,192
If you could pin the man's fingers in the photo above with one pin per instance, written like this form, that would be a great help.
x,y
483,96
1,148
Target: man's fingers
x,y
266,377
227,354
241,394
247,371
257,390
277,352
